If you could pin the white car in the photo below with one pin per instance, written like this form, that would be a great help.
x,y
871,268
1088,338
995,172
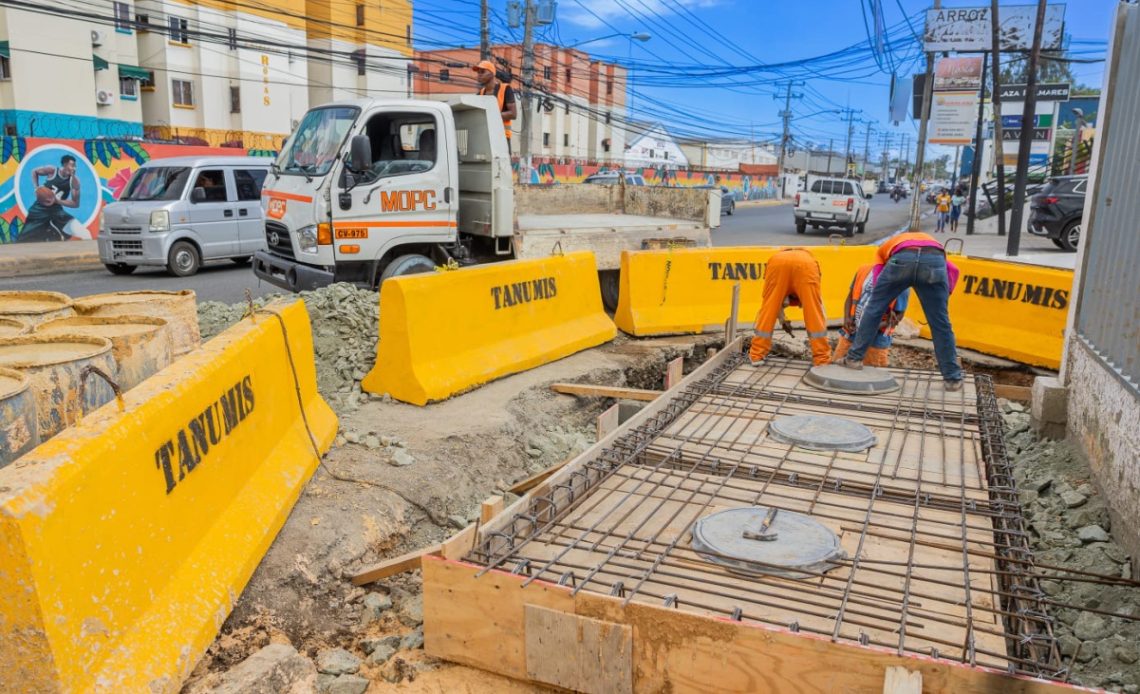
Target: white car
x,y
833,202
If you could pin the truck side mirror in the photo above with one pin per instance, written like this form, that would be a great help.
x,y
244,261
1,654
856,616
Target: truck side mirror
x,y
198,195
360,150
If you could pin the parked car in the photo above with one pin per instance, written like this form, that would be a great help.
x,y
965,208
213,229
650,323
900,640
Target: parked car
x,y
181,212
727,199
1057,210
611,178
833,202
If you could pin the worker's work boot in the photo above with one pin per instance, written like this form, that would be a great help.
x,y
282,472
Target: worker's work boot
x,y
756,362
849,363
952,386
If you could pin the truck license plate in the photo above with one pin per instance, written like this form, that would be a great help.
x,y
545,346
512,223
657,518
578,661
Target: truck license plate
x,y
825,215
352,233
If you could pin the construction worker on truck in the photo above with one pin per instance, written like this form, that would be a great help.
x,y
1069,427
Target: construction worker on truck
x,y
792,278
491,85
858,296
913,259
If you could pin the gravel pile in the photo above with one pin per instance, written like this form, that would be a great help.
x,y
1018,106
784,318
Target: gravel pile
x,y
345,322
1069,527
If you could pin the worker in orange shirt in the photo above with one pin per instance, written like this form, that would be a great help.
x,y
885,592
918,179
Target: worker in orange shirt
x,y
858,296
913,259
491,85
791,279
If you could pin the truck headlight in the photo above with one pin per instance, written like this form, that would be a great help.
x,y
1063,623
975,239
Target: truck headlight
x,y
160,220
307,239
102,221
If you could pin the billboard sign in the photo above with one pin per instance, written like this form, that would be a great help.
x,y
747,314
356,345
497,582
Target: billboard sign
x,y
968,28
1059,91
953,116
958,74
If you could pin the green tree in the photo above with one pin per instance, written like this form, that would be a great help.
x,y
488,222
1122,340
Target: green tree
x,y
1050,68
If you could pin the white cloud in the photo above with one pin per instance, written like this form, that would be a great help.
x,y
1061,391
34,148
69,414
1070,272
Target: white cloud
x,y
578,12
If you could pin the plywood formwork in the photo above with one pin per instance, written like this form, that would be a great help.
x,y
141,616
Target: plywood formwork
x,y
937,571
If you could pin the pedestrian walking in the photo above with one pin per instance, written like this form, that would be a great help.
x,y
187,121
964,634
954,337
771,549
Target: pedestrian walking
x,y
917,260
956,202
942,209
792,278
858,297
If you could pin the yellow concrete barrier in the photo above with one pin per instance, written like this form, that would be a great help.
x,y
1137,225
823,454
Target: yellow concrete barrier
x,y
1007,309
690,290
125,540
444,333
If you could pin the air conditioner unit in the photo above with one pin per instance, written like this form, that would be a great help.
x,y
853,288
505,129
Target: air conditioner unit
x,y
104,97
97,37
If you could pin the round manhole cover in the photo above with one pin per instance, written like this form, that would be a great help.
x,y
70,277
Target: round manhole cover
x,y
755,540
840,379
822,433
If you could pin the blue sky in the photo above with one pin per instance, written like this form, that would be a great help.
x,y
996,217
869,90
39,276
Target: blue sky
x,y
693,73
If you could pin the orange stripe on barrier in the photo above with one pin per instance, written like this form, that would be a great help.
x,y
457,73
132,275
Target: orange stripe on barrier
x,y
265,192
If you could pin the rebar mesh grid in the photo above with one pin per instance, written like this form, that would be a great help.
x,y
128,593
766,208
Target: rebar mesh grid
x,y
938,559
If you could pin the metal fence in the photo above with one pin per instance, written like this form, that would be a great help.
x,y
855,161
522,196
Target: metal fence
x,y
1108,315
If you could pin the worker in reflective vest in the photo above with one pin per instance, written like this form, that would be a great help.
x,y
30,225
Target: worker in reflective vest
x,y
490,85
913,259
792,278
858,296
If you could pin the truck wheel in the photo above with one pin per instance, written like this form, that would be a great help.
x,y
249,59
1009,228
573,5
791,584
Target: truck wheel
x,y
801,227
183,259
120,268
731,208
1071,235
411,264
861,227
849,230
609,280
1057,243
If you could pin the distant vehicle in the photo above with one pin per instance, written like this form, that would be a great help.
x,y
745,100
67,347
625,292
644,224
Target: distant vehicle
x,y
883,187
611,178
727,199
184,211
1058,210
833,202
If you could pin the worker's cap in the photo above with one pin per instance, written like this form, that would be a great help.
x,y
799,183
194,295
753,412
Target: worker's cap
x,y
485,65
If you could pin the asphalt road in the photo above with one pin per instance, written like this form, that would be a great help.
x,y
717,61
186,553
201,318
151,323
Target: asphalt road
x,y
774,225
224,281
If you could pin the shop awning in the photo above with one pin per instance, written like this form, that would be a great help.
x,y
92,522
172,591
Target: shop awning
x,y
5,51
100,64
133,72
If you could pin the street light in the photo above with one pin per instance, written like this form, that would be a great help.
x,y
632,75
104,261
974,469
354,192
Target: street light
x,y
639,36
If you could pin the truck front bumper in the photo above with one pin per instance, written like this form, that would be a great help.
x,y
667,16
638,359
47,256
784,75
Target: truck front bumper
x,y
289,274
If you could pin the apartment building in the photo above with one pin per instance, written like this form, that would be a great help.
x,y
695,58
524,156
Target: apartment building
x,y
67,76
579,107
369,44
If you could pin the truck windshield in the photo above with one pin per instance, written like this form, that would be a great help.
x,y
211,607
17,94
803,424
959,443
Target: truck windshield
x,y
313,148
157,183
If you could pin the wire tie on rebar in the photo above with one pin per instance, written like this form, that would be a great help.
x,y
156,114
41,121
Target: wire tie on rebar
x,y
618,589
737,614
793,478
521,566
794,627
567,578
864,638
670,600
934,652
838,484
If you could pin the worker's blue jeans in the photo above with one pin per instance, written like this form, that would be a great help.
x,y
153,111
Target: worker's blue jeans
x,y
924,269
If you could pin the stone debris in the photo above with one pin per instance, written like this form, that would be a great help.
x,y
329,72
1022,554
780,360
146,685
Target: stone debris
x,y
275,669
1092,533
381,654
341,684
337,661
413,640
375,605
370,646
401,458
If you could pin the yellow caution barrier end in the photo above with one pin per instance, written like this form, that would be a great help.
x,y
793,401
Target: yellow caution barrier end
x,y
444,333
1010,310
125,540
680,291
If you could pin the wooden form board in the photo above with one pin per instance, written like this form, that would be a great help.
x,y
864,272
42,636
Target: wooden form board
x,y
481,622
578,653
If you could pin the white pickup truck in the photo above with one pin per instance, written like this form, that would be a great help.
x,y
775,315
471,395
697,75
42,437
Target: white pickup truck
x,y
833,202
370,189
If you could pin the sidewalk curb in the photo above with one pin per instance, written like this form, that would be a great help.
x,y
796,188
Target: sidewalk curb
x,y
762,203
30,267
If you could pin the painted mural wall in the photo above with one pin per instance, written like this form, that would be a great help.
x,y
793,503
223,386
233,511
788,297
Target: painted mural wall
x,y
53,190
746,187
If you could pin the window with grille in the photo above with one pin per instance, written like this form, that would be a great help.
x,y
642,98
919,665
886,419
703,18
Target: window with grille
x,y
128,88
359,56
179,30
142,22
147,85
360,15
546,73
546,139
566,140
182,93
444,75
5,68
235,99
568,72
122,17
232,39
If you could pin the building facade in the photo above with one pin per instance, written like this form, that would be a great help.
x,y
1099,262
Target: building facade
x,y
727,155
580,111
651,145
206,72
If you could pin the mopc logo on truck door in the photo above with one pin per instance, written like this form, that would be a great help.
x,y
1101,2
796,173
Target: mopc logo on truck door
x,y
407,200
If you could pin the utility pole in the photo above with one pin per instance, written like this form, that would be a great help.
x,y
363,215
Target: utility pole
x,y
847,158
920,152
999,149
484,31
866,148
527,86
1028,121
786,114
830,147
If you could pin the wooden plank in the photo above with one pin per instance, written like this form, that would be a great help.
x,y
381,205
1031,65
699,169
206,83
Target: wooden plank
x,y
578,653
902,681
490,508
608,421
524,486
458,544
674,372
588,390
1021,393
481,622
733,314
395,565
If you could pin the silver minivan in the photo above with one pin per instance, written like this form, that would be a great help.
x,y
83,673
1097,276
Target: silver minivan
x,y
183,211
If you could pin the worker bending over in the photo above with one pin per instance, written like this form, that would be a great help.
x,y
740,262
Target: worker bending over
x,y
858,296
791,279
914,260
